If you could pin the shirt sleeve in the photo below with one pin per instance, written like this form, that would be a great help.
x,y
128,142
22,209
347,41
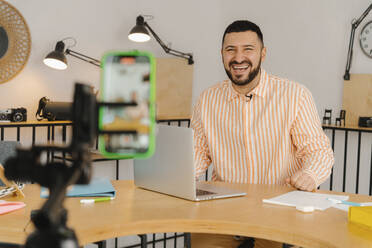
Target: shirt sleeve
x,y
313,146
202,158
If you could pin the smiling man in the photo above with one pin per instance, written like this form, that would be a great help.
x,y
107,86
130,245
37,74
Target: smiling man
x,y
255,127
242,54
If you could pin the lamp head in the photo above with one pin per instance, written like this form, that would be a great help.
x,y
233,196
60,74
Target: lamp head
x,y
139,33
57,59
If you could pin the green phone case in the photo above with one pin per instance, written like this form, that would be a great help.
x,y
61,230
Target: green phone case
x,y
151,148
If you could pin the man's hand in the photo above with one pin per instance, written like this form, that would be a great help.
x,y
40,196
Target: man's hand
x,y
302,180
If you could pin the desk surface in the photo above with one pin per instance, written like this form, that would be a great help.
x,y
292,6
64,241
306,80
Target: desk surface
x,y
137,211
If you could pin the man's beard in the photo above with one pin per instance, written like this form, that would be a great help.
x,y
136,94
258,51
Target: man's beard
x,y
251,75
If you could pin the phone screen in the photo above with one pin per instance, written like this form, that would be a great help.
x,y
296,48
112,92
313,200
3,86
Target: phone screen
x,y
127,115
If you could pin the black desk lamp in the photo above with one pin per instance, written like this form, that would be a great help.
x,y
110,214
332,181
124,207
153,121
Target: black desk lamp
x,y
140,34
57,59
354,25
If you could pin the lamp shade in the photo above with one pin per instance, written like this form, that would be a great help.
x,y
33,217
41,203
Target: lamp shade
x,y
139,33
57,59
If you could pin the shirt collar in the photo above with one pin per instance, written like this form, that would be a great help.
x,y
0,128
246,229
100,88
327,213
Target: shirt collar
x,y
260,89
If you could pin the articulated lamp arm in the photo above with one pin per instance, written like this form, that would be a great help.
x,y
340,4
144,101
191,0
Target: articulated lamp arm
x,y
187,56
354,26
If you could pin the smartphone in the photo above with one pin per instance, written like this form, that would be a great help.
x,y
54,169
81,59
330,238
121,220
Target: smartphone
x,y
126,114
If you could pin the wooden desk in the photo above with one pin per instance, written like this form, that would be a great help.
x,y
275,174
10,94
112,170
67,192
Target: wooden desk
x,y
137,211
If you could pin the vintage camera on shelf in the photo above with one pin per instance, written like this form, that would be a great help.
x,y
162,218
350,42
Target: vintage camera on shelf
x,y
13,115
365,121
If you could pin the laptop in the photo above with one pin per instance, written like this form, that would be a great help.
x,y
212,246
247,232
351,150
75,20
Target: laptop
x,y
171,169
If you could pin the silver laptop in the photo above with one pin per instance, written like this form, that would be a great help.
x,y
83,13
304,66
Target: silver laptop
x,y
171,169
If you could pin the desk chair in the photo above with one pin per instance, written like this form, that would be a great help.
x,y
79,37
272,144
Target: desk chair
x,y
7,150
341,120
327,116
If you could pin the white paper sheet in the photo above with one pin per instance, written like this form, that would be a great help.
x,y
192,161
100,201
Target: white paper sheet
x,y
302,198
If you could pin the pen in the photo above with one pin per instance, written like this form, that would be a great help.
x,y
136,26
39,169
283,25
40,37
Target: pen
x,y
345,202
101,199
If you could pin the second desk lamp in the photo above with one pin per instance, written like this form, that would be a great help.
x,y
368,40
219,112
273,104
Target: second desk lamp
x,y
140,33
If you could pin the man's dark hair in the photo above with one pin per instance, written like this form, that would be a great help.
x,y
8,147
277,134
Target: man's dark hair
x,y
242,26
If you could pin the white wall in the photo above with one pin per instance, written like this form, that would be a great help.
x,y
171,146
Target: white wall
x,y
306,40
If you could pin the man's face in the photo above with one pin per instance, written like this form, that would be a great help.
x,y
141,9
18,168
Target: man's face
x,y
242,53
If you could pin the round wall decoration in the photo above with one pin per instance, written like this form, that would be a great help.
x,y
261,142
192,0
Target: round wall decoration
x,y
15,42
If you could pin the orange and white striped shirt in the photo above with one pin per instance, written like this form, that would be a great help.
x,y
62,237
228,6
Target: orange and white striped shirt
x,y
260,139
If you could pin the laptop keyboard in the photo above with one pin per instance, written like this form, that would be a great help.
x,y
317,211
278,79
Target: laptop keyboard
x,y
200,192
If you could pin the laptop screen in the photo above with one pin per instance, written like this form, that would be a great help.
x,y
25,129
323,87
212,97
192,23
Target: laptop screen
x,y
171,169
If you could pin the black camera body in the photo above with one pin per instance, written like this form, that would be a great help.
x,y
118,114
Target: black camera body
x,y
13,115
365,121
53,111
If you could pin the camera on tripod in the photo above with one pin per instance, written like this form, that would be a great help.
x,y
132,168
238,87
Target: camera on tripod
x,y
13,115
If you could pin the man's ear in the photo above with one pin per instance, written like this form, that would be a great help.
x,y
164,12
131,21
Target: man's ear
x,y
263,54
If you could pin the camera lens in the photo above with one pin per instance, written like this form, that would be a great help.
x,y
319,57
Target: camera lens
x,y
17,117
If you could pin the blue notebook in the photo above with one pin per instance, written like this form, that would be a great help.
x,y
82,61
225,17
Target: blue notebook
x,y
98,187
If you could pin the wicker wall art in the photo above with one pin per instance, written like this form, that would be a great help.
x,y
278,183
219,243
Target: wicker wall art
x,y
15,42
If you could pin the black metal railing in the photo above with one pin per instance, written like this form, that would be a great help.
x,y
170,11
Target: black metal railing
x,y
51,125
344,131
176,122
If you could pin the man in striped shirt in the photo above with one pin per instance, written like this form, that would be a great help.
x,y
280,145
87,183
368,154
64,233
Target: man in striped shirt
x,y
255,127
258,128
